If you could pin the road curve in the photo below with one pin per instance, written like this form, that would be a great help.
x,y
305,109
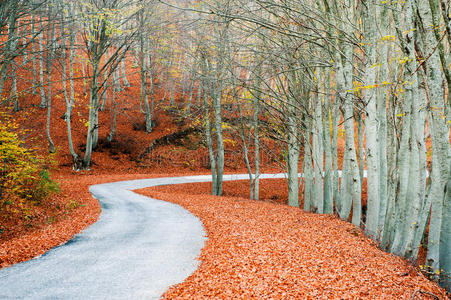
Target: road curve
x,y
136,250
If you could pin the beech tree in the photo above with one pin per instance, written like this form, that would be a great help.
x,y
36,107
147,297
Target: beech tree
x,y
16,18
382,66
303,74
102,31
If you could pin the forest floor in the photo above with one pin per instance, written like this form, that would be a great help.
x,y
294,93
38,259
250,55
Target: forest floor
x,y
268,250
255,249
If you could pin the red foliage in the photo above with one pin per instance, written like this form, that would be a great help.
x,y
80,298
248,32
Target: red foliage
x,y
255,249
261,250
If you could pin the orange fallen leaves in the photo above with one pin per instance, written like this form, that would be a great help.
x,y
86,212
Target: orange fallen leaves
x,y
262,250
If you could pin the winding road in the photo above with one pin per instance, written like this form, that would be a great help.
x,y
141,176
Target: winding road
x,y
137,249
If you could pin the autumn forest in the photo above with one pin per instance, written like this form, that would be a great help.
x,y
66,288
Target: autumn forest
x,y
336,113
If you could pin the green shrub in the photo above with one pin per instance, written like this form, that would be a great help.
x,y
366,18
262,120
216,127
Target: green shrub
x,y
43,187
23,173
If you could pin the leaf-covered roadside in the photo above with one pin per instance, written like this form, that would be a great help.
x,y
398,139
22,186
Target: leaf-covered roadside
x,y
72,210
261,250
57,219
25,183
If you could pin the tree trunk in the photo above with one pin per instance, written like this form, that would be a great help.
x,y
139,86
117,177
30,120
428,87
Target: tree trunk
x,y
350,180
92,125
445,238
439,136
361,146
10,44
328,170
33,50
256,134
41,67
371,122
70,99
124,73
219,143
318,155
210,144
308,169
51,39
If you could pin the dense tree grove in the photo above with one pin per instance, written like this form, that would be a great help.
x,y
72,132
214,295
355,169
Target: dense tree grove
x,y
302,75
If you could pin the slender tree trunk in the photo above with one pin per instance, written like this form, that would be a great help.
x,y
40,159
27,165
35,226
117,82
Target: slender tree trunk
x,y
421,180
10,44
256,101
416,178
403,181
41,67
144,69
92,125
33,50
209,139
171,93
118,81
24,41
51,38
105,87
328,170
83,72
190,96
382,138
441,155
292,154
219,143
445,238
308,168
14,93
441,48
70,99
353,196
245,143
124,74
392,175
151,91
350,180
318,155
199,94
361,146
112,132
370,16
335,180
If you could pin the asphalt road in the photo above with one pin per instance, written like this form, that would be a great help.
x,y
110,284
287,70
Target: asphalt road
x,y
136,250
